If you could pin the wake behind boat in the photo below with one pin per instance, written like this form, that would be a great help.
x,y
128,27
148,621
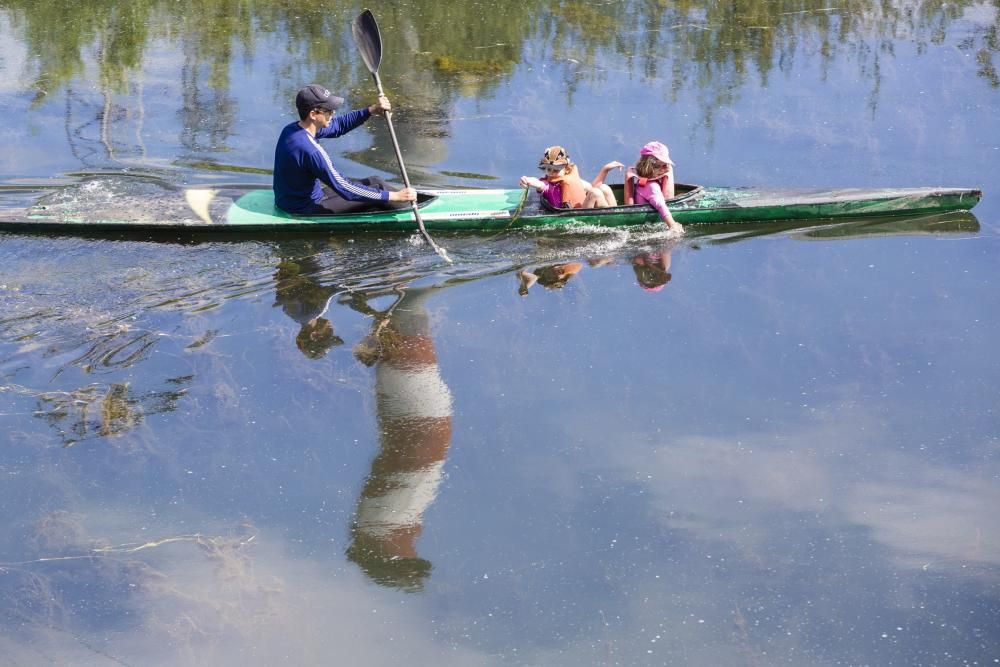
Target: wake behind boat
x,y
213,212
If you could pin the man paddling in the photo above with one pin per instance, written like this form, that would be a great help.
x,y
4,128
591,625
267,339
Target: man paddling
x,y
305,180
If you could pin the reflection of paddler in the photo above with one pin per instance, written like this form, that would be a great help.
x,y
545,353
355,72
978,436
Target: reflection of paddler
x,y
304,299
414,418
553,277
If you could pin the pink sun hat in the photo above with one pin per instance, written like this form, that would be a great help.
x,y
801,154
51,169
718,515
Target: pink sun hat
x,y
657,150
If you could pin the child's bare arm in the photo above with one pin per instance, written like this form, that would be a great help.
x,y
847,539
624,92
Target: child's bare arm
x,y
614,164
531,182
657,202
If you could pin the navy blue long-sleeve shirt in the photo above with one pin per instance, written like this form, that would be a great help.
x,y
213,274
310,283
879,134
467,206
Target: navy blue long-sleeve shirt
x,y
301,164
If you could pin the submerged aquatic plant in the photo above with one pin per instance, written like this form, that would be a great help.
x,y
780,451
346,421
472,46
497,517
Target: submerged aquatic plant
x,y
73,581
449,65
102,411
585,18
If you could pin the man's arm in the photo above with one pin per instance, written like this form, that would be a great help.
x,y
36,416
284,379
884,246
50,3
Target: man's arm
x,y
323,169
342,124
347,122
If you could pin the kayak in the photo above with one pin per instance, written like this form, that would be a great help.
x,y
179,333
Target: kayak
x,y
212,211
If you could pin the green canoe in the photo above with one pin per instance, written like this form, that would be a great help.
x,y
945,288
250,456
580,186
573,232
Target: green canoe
x,y
211,211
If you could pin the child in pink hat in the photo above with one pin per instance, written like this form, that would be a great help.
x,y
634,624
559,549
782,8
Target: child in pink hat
x,y
651,181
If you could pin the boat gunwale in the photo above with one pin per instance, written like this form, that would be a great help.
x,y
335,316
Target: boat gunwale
x,y
621,209
428,198
536,215
543,210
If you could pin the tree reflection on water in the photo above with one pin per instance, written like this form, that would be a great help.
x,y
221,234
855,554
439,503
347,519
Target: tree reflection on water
x,y
713,48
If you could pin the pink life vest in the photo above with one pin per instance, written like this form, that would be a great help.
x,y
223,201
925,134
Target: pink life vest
x,y
572,187
633,180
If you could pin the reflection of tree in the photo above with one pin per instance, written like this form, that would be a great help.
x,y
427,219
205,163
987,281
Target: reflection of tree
x,y
201,109
717,48
118,35
88,124
118,31
433,54
212,35
436,51
414,418
990,44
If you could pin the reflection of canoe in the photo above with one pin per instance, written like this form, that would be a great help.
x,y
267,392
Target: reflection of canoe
x,y
951,223
471,209
957,222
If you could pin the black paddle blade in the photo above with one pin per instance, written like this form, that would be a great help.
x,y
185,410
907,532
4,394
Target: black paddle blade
x,y
368,39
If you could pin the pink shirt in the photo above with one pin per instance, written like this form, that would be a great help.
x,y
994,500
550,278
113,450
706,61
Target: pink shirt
x,y
651,194
552,193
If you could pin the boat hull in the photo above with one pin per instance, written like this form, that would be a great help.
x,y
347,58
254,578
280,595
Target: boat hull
x,y
502,209
499,209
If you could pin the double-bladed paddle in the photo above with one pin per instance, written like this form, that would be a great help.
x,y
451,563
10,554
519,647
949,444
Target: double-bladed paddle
x,y
369,41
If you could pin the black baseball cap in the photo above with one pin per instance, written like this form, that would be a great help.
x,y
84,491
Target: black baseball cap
x,y
316,96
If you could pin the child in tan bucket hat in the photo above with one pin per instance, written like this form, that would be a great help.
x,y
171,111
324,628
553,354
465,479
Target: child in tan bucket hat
x,y
562,186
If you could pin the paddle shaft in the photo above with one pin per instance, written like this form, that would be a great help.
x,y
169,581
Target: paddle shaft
x,y
369,40
395,142
406,179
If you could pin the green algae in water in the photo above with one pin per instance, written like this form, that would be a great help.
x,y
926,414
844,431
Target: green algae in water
x,y
216,166
449,65
469,174
586,18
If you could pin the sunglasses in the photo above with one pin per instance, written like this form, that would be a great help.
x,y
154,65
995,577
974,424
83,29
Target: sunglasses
x,y
553,169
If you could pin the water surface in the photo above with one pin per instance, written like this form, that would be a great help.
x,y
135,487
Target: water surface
x,y
752,446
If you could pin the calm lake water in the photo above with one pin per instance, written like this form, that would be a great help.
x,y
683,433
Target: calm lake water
x,y
340,450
